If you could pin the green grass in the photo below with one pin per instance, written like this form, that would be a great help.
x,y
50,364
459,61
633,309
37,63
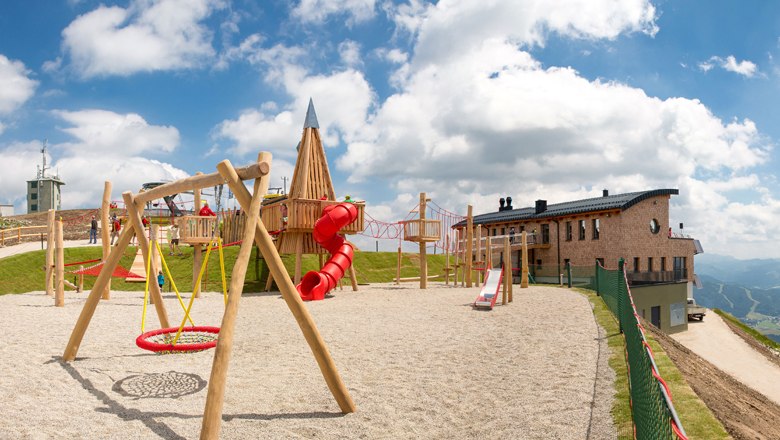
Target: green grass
x,y
697,420
25,272
751,331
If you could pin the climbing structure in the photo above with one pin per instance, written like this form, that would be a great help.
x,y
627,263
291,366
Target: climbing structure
x,y
311,192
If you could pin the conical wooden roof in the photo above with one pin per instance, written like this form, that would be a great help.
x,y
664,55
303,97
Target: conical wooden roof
x,y
311,178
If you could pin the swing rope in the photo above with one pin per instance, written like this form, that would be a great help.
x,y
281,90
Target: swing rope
x,y
198,337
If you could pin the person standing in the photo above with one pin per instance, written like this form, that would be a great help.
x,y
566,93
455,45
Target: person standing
x,y
160,280
115,228
93,231
173,239
206,211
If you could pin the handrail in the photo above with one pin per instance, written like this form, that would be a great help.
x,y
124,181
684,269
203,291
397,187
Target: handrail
x,y
16,233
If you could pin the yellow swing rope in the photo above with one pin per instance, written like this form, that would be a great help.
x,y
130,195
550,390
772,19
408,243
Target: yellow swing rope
x,y
222,268
152,245
173,282
192,298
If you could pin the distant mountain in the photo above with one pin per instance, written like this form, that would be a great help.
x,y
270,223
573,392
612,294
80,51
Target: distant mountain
x,y
761,273
755,306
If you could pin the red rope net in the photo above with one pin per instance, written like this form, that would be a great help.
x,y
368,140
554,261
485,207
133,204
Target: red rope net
x,y
119,271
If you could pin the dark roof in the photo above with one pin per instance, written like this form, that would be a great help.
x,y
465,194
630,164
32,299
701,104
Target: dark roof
x,y
618,201
311,117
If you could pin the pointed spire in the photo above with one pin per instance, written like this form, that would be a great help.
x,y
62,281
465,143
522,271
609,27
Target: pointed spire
x,y
311,117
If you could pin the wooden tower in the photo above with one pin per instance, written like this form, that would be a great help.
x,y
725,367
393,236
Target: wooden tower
x,y
311,189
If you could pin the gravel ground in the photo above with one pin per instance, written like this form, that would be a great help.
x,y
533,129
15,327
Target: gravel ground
x,y
418,364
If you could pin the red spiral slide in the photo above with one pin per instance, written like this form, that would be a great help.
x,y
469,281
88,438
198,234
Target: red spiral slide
x,y
315,285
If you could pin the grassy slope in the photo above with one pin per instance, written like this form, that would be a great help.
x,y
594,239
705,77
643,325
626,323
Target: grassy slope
x,y
698,421
25,272
750,330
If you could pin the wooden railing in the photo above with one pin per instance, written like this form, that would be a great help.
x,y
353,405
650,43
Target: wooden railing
x,y
303,213
195,229
21,232
422,230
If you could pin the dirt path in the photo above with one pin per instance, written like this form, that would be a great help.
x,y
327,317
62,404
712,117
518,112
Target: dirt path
x,y
714,341
745,413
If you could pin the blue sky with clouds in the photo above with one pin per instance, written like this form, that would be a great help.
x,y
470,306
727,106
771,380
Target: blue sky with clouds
x,y
466,100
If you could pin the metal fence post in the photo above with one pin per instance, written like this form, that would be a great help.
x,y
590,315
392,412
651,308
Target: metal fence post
x,y
568,274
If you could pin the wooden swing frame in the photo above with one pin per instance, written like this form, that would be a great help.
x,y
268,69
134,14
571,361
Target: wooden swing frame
x,y
256,232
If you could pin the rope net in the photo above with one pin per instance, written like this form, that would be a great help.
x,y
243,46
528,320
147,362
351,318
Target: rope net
x,y
190,340
119,271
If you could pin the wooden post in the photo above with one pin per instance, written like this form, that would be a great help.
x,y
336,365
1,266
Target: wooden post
x,y
447,260
77,335
507,271
478,257
398,268
50,254
469,243
104,232
81,280
423,250
212,414
298,256
59,277
298,309
134,217
197,249
353,276
524,262
508,265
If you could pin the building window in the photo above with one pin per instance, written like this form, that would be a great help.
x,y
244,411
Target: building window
x,y
522,228
503,231
566,262
34,208
596,228
680,271
33,196
663,264
636,264
649,264
545,234
568,231
33,185
539,264
582,229
654,226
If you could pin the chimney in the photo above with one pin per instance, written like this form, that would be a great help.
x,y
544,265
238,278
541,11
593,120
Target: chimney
x,y
605,193
501,204
509,204
541,206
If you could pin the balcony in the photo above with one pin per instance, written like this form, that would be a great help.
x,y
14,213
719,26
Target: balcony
x,y
422,230
303,213
657,277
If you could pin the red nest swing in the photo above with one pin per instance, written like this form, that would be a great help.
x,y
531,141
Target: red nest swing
x,y
192,339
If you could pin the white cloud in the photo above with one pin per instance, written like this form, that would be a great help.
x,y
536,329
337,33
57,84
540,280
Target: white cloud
x,y
105,146
318,11
349,51
16,87
111,134
146,36
745,68
477,118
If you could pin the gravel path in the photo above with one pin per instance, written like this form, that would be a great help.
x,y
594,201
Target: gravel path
x,y
418,364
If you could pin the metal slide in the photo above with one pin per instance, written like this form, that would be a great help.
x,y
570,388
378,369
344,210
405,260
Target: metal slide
x,y
487,297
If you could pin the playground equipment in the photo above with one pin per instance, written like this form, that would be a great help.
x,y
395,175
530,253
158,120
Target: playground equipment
x,y
255,232
421,231
185,339
315,285
489,293
294,215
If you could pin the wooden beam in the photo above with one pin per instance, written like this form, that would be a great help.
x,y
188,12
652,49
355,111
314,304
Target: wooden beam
x,y
104,232
469,249
298,309
212,414
59,272
200,181
134,217
77,335
50,254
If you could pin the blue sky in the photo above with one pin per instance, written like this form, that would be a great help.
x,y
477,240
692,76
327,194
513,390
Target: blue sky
x,y
468,101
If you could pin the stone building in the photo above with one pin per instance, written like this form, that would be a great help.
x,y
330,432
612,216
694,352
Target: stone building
x,y
43,194
633,226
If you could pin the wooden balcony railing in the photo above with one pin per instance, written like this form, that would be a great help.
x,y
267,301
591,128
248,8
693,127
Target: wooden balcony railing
x,y
422,230
303,213
195,229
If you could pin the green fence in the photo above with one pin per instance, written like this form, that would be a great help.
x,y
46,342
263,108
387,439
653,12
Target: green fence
x,y
651,404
